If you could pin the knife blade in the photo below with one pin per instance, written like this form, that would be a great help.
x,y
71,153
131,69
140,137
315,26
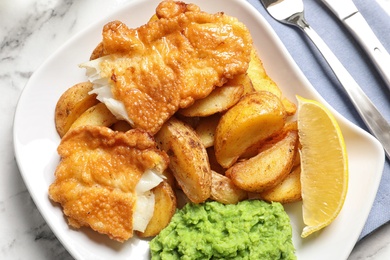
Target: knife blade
x,y
350,16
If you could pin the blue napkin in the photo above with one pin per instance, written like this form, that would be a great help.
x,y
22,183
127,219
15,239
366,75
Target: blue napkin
x,y
356,62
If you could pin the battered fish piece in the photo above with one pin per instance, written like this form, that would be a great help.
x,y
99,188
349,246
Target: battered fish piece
x,y
167,63
96,179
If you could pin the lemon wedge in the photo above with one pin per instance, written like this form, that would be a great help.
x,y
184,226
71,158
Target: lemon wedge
x,y
324,165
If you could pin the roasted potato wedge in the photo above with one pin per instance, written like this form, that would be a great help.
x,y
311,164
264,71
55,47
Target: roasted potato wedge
x,y
219,100
121,126
168,175
214,165
287,191
268,168
72,103
260,80
264,144
191,121
290,107
297,159
206,129
153,18
224,191
97,52
256,117
242,79
164,208
96,115
188,159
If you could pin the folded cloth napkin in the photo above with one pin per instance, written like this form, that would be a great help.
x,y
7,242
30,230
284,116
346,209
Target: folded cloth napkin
x,y
356,62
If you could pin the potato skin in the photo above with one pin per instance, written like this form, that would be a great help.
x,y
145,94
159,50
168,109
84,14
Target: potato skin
x,y
219,100
164,208
259,78
254,118
95,115
268,168
206,129
72,103
242,79
97,52
224,191
262,82
188,159
258,147
287,191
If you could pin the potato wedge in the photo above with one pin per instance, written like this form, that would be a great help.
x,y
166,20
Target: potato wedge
x,y
224,191
256,117
214,165
289,190
264,144
168,175
153,18
190,121
164,208
297,159
72,103
188,159
219,100
97,52
291,108
96,115
242,79
268,168
206,129
121,126
260,80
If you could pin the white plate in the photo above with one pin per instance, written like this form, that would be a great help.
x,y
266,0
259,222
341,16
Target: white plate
x,y
36,140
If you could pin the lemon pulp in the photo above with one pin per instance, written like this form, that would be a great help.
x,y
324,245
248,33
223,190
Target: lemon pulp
x,y
324,164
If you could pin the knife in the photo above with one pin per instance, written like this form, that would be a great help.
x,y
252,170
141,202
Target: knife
x,y
348,13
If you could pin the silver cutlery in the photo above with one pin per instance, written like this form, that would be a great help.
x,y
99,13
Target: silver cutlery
x,y
291,12
348,13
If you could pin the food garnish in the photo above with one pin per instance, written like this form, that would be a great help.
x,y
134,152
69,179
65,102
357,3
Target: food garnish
x,y
324,165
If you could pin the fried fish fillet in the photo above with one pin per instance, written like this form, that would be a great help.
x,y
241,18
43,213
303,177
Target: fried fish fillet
x,y
96,179
167,63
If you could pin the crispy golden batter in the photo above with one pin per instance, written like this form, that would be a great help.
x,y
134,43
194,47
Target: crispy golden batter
x,y
96,177
172,61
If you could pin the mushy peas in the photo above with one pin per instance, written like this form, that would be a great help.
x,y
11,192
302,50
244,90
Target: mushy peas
x,y
251,229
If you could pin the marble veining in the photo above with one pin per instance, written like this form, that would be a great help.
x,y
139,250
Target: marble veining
x,y
22,33
29,32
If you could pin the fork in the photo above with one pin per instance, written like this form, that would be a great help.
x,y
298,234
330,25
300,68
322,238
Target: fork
x,y
291,12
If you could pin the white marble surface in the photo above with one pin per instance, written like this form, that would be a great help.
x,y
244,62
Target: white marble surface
x,y
29,32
